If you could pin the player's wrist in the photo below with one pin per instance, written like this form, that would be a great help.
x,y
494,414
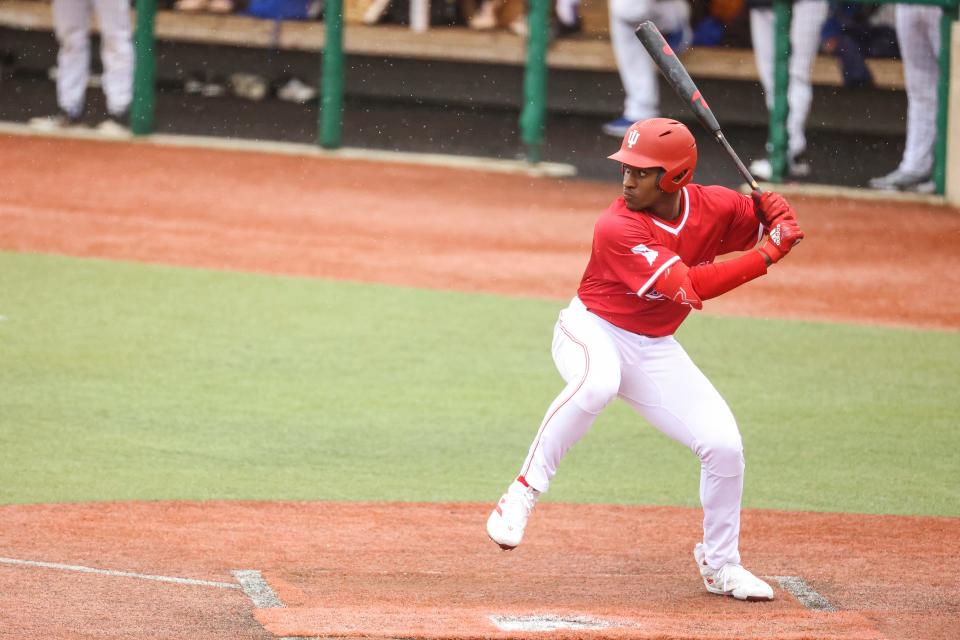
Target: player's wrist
x,y
771,253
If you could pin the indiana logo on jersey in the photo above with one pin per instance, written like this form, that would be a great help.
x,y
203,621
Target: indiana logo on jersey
x,y
646,252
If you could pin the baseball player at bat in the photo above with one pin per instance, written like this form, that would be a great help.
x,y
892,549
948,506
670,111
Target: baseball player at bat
x,y
652,263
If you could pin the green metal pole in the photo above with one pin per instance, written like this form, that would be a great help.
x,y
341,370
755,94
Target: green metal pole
x,y
331,79
535,80
943,100
145,67
777,136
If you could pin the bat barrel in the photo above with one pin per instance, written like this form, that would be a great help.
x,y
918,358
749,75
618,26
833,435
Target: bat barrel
x,y
676,74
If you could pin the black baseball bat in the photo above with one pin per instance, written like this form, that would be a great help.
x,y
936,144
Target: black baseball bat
x,y
676,74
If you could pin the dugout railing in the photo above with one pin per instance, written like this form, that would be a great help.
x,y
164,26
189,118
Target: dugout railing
x,y
330,117
777,134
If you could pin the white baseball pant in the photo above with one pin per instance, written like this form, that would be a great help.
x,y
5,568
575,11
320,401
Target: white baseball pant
x,y
567,10
71,19
638,72
656,377
918,31
805,28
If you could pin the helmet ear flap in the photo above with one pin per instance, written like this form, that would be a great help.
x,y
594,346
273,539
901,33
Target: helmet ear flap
x,y
671,183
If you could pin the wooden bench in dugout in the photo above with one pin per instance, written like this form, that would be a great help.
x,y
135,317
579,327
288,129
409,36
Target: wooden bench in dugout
x,y
588,51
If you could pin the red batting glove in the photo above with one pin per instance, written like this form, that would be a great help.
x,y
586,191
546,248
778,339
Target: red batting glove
x,y
783,237
771,208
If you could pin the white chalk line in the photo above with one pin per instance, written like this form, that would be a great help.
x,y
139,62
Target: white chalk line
x,y
250,581
118,574
803,592
257,589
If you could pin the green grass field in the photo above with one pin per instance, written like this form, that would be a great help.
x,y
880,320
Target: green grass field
x,y
131,382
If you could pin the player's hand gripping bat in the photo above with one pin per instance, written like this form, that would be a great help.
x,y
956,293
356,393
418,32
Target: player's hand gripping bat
x,y
679,79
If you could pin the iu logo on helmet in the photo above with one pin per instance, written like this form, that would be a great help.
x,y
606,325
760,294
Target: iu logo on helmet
x,y
632,138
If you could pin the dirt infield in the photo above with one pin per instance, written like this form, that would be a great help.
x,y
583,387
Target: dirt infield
x,y
428,571
164,569
864,262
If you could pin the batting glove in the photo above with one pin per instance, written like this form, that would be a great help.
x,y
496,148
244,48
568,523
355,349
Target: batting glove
x,y
771,208
783,237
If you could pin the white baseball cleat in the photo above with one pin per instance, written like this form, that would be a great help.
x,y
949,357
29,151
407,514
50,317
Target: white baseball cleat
x,y
731,580
508,520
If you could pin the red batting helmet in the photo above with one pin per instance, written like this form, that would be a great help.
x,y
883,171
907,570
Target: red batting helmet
x,y
663,143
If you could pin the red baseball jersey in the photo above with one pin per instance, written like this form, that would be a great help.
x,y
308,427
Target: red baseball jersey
x,y
631,249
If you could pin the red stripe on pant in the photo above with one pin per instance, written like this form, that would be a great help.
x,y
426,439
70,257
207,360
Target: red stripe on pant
x,y
586,371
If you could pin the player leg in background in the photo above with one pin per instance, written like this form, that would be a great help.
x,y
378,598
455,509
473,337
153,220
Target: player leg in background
x,y
761,38
662,383
638,72
918,31
116,51
805,27
71,22
568,16
589,363
71,19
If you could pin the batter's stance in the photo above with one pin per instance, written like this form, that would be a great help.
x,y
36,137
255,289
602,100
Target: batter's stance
x,y
652,262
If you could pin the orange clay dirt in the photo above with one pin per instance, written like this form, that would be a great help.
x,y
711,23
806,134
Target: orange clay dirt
x,y
392,570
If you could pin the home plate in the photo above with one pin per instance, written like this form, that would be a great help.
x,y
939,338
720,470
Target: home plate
x,y
548,623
